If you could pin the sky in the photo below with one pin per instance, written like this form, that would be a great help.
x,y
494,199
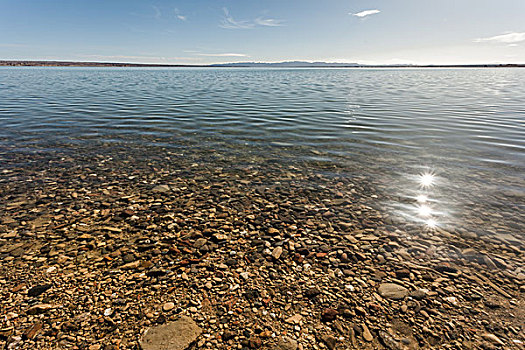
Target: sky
x,y
220,31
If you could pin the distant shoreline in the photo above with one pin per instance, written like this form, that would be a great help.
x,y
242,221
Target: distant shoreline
x,y
16,63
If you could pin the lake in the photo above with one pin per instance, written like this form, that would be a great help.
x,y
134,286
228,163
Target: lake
x,y
437,148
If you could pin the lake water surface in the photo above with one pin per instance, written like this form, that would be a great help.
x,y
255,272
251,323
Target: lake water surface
x,y
443,148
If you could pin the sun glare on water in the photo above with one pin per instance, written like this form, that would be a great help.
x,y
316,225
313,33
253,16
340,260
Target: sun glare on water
x,y
422,198
424,210
426,180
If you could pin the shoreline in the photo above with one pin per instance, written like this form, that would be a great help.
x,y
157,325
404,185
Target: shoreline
x,y
18,63
98,247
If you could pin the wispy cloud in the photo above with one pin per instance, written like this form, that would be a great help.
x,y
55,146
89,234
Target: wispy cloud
x,y
269,22
506,38
180,15
148,59
222,54
119,57
158,13
228,22
365,13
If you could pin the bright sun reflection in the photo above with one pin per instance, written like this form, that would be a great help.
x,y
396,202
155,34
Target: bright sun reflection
x,y
431,223
426,180
422,198
424,210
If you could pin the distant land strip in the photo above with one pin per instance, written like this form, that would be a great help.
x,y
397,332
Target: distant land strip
x,y
290,64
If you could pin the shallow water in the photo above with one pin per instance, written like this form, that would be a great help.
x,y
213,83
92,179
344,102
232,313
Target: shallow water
x,y
442,147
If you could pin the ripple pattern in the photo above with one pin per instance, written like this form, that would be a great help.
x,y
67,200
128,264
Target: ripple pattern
x,y
465,126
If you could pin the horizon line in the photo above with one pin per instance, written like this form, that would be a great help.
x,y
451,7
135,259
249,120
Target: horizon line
x,y
289,64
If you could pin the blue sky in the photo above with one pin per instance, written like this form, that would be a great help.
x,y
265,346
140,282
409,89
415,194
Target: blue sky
x,y
214,31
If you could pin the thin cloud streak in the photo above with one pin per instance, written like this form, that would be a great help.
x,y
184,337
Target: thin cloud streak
x,y
365,13
180,15
228,22
506,38
269,22
142,59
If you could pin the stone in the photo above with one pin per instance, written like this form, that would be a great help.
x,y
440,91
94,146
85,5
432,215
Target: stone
x,y
37,290
294,319
418,294
40,309
200,242
227,335
493,339
312,292
161,189
276,254
31,332
329,315
388,341
286,343
168,306
255,342
403,273
366,334
177,335
392,291
131,266
330,341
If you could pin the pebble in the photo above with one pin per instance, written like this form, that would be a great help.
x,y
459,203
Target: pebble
x,y
276,254
392,291
366,333
168,306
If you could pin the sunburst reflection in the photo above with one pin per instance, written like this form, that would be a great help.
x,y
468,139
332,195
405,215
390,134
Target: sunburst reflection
x,y
426,180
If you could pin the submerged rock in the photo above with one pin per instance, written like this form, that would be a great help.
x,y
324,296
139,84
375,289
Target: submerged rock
x,y
392,291
178,335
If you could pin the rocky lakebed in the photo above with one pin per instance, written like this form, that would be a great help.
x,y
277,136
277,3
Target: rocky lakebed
x,y
106,250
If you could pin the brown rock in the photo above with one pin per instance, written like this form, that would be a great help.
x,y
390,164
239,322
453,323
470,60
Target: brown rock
x,y
40,309
330,341
392,291
32,331
178,335
255,342
366,333
329,314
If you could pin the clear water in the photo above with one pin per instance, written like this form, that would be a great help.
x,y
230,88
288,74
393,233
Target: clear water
x,y
444,147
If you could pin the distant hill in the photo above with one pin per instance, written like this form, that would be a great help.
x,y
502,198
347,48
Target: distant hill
x,y
287,64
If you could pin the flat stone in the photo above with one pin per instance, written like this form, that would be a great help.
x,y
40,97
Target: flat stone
x,y
392,291
286,343
294,319
277,253
37,290
493,339
329,314
200,242
40,309
366,334
330,341
32,331
161,188
168,306
178,335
